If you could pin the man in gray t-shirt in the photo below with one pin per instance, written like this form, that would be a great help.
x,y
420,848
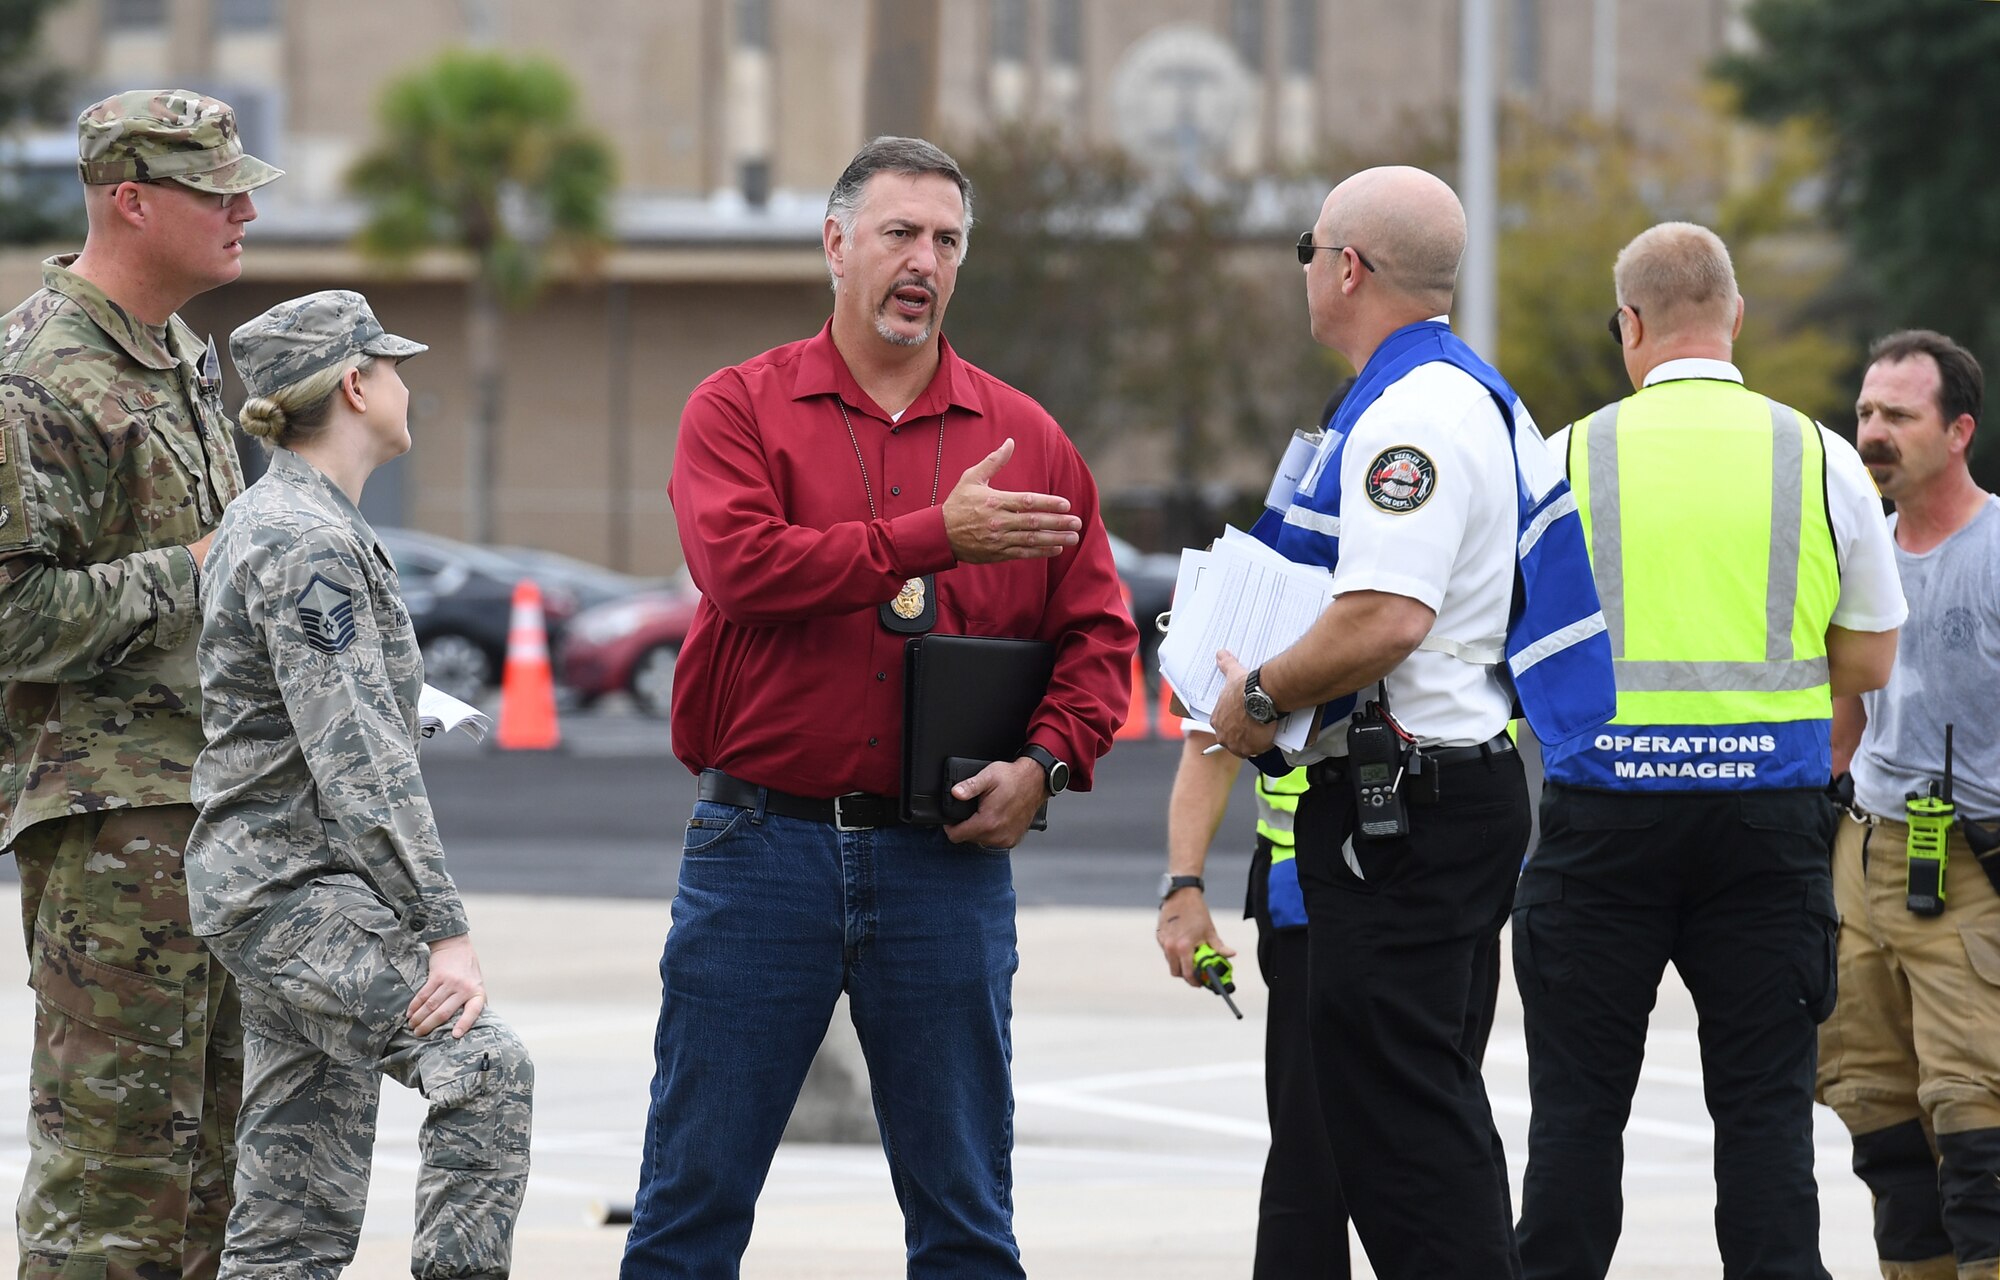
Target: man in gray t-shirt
x,y
1911,1058
1946,665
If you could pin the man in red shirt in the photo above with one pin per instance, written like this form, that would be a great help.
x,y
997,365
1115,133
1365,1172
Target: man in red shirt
x,y
806,489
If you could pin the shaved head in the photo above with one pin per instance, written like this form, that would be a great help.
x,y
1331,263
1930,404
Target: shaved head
x,y
1679,278
1407,222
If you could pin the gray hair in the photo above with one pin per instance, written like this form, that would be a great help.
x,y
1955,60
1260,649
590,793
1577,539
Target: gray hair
x,y
896,155
1679,277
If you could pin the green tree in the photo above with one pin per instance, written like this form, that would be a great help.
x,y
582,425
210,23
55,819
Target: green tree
x,y
1126,309
1906,92
1223,358
484,153
1038,301
31,92
1574,191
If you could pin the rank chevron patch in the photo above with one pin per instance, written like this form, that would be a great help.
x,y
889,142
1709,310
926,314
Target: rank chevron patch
x,y
326,615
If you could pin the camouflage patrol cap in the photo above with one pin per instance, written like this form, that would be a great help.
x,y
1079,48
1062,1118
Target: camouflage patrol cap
x,y
296,339
147,134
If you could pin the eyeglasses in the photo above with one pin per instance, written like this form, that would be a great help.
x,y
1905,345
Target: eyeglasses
x,y
208,199
1618,330
1307,249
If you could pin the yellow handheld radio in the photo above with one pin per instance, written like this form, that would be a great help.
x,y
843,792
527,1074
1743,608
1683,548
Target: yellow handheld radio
x,y
1930,817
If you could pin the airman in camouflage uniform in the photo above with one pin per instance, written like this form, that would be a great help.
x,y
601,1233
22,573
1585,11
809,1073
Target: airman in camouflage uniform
x,y
315,870
116,461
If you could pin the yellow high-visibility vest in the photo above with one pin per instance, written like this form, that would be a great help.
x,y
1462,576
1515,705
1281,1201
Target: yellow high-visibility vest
x,y
1705,508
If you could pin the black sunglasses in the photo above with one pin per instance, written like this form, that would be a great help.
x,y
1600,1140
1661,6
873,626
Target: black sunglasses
x,y
1307,248
1618,330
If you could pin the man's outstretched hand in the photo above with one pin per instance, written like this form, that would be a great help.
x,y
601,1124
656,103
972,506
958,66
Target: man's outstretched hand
x,y
986,525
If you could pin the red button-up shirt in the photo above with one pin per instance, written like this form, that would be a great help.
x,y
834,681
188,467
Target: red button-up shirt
x,y
788,678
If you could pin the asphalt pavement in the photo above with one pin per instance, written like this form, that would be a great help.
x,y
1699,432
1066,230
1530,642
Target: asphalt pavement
x,y
1139,1118
603,815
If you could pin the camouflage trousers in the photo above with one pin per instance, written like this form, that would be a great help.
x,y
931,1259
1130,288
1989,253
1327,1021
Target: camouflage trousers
x,y
327,976
138,1056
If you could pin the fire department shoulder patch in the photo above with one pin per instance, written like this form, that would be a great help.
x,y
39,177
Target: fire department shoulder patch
x,y
1401,479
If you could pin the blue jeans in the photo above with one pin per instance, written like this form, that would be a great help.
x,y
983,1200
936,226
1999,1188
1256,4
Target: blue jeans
x,y
774,919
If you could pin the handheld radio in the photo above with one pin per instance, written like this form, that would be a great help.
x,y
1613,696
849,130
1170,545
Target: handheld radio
x,y
1930,816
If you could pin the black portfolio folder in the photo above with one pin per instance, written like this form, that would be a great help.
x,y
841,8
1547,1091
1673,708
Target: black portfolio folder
x,y
965,698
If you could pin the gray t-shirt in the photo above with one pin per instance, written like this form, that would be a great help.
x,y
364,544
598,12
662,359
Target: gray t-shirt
x,y
1947,672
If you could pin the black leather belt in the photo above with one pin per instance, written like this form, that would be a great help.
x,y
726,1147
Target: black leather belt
x,y
854,811
1498,745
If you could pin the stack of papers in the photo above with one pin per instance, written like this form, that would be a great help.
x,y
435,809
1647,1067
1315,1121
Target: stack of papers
x,y
1242,596
437,710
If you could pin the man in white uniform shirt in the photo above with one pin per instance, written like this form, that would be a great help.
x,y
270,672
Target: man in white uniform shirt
x,y
1412,504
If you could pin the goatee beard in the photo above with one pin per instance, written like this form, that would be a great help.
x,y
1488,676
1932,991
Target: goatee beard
x,y
895,336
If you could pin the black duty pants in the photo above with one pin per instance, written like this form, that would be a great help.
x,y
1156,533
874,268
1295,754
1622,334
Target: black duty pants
x,y
1734,890
1301,1217
1404,970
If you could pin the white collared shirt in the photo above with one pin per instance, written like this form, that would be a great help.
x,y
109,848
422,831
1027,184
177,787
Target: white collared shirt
x,y
1454,551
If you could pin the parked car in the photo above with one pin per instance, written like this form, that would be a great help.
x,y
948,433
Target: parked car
x,y
461,600
588,585
629,646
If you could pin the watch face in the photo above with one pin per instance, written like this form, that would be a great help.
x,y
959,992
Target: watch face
x,y
1259,706
1058,778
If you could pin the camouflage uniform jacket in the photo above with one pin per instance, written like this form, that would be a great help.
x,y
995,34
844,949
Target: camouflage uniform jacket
x,y
115,454
309,679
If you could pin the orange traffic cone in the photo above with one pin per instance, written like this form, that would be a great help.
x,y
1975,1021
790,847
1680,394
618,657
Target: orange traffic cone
x,y
1134,724
1135,711
527,687
1169,724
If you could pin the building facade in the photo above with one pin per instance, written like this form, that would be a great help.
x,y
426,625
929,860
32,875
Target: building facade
x,y
731,118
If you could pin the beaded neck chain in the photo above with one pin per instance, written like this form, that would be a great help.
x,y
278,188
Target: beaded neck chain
x,y
937,464
914,609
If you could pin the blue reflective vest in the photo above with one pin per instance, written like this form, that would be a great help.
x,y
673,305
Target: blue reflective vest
x,y
1556,652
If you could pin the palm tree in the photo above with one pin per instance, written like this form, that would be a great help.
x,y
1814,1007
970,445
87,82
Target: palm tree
x,y
483,153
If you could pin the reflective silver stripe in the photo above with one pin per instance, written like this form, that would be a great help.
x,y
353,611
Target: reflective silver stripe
x,y
1276,819
1781,591
1607,550
1478,653
1788,676
1543,519
1313,520
1555,642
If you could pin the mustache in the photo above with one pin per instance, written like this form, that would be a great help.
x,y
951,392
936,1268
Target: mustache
x,y
1881,453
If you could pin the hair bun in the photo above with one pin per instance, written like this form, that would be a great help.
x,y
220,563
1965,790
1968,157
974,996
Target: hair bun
x,y
264,418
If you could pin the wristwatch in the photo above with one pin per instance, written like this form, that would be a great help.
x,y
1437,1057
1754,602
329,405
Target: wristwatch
x,y
1171,885
1054,772
1256,703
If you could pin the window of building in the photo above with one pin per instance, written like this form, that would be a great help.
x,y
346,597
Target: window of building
x,y
1302,38
246,15
754,179
1066,32
1525,48
482,22
753,24
126,15
1246,31
1010,30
